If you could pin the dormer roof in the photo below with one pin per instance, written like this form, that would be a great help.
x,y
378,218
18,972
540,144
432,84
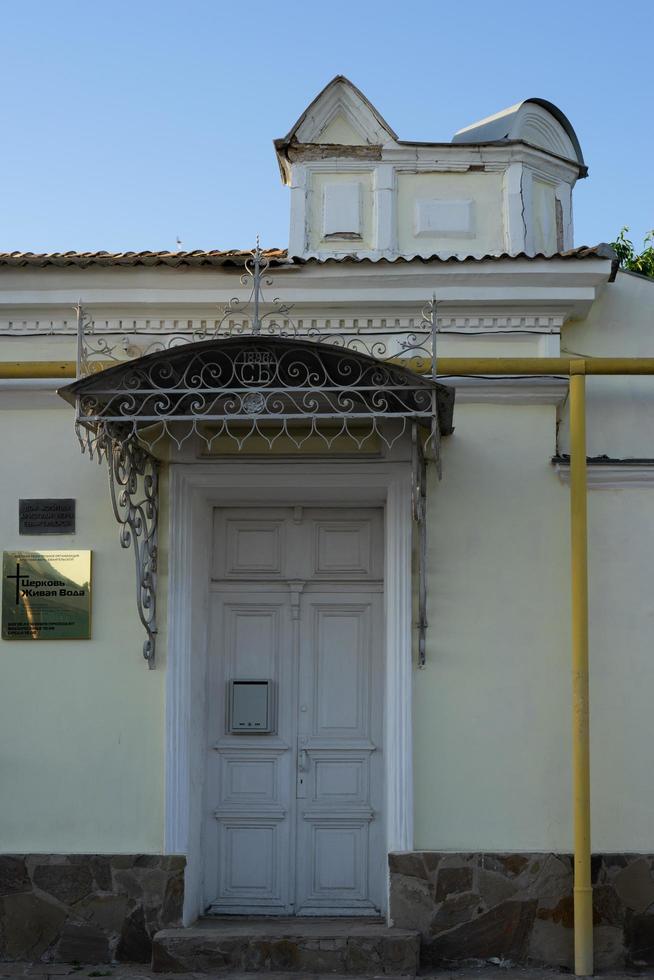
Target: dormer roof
x,y
340,109
535,121
341,116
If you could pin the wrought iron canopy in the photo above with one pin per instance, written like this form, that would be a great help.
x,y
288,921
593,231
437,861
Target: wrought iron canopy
x,y
253,371
240,386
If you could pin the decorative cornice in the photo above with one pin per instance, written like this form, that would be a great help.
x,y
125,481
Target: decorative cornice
x,y
496,156
31,393
505,390
604,473
502,321
156,324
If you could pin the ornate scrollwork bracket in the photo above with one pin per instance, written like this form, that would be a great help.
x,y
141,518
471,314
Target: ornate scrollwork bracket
x,y
300,374
419,507
134,486
429,322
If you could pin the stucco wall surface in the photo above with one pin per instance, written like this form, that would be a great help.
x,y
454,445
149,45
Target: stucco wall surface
x,y
492,706
484,190
621,610
619,409
81,722
316,209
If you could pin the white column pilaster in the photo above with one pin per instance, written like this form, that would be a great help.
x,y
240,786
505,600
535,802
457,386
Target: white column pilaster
x,y
564,196
385,232
297,236
515,228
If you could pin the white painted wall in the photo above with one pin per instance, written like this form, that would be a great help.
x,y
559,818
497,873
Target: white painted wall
x,y
544,216
339,130
621,575
492,706
81,723
81,729
325,210
485,230
619,324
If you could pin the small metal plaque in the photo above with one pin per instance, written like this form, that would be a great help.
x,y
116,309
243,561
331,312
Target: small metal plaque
x,y
46,515
46,595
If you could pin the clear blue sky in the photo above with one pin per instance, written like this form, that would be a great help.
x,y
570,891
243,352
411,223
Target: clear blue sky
x,y
125,124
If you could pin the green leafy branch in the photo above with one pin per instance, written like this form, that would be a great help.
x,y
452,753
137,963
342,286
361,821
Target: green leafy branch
x,y
642,262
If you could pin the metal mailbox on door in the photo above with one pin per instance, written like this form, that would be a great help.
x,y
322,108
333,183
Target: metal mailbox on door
x,y
251,707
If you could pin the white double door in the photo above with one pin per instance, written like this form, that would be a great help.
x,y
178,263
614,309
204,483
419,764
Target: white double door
x,y
293,817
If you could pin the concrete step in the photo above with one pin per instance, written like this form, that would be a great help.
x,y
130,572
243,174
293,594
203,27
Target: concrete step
x,y
289,945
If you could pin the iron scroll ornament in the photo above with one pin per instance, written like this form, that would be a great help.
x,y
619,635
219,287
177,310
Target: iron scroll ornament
x,y
253,372
254,316
134,488
274,389
233,389
419,514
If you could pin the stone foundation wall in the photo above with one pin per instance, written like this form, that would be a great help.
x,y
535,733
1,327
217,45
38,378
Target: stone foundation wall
x,y
519,907
89,908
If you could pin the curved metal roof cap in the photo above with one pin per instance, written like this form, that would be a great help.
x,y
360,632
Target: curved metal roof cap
x,y
133,379
505,125
191,352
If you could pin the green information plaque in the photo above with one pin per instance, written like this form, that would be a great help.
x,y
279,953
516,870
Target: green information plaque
x,y
46,595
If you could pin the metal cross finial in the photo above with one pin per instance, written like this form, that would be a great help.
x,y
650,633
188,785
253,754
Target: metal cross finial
x,y
256,266
256,324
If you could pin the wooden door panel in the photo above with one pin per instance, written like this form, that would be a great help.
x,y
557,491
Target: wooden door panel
x,y
249,778
338,780
249,544
339,866
342,548
340,650
252,645
248,842
253,856
339,815
294,819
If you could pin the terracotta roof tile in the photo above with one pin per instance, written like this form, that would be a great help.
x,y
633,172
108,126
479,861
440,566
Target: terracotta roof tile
x,y
198,257
601,251
276,257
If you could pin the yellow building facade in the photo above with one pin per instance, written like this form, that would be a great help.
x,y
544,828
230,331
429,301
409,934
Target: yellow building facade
x,y
347,566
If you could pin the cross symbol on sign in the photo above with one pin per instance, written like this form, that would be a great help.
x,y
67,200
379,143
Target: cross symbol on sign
x,y
18,577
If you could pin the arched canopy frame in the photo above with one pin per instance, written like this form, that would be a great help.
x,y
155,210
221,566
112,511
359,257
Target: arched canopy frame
x,y
238,387
279,390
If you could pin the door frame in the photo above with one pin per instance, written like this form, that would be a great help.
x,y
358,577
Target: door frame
x,y
194,490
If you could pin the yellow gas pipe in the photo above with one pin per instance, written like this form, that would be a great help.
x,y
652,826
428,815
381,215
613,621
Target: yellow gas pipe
x,y
582,892
577,369
448,367
17,370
